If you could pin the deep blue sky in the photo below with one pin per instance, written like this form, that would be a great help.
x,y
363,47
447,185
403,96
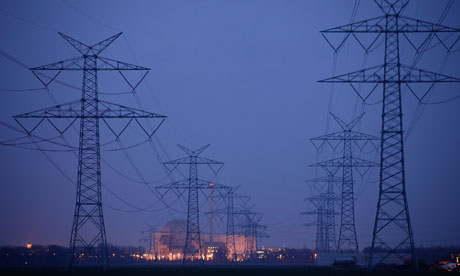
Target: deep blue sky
x,y
239,75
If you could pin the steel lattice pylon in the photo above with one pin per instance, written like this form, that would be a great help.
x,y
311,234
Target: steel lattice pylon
x,y
252,230
250,246
192,247
392,237
230,231
324,212
231,212
88,238
348,241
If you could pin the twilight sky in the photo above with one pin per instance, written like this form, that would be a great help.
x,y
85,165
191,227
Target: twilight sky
x,y
239,75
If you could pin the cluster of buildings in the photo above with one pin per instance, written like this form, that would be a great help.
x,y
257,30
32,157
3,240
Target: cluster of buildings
x,y
168,244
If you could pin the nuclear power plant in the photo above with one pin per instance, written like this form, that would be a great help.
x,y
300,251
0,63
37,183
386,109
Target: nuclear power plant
x,y
168,244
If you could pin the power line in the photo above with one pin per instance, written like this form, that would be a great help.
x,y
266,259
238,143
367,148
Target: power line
x,y
90,17
45,28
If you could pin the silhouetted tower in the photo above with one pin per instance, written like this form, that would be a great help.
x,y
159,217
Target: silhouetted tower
x,y
324,211
231,212
193,184
250,234
251,229
211,208
319,216
230,231
392,236
88,236
348,241
150,239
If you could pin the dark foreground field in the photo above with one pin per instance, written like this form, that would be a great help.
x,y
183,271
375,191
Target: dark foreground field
x,y
205,271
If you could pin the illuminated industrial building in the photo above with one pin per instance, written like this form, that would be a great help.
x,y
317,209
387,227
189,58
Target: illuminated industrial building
x,y
168,243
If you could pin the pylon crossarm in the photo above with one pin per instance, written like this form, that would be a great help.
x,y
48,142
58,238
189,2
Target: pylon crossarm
x,y
358,162
75,64
378,25
101,46
206,184
107,64
199,161
111,110
411,25
224,191
338,162
181,184
336,136
105,110
66,110
410,74
370,75
186,150
200,184
180,161
81,47
340,135
372,25
206,161
375,74
362,136
78,64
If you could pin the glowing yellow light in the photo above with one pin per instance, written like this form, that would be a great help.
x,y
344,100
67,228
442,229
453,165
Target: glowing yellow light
x,y
29,246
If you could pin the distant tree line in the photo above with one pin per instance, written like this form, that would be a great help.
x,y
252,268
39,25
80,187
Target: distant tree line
x,y
54,255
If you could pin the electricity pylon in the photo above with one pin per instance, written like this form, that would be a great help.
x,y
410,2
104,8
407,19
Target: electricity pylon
x,y
392,236
88,237
231,212
151,240
324,212
230,232
252,229
348,241
192,247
